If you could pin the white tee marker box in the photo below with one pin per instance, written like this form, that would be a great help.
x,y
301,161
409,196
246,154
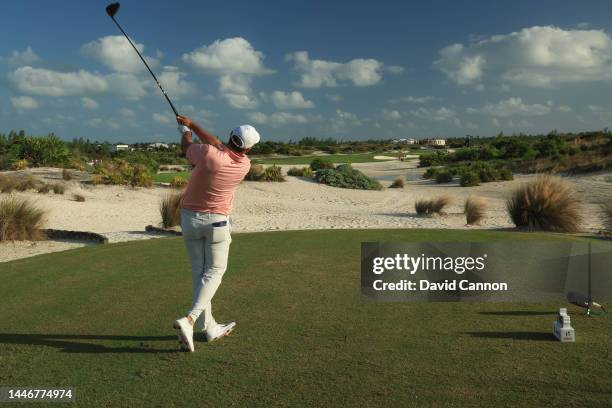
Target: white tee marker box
x,y
562,328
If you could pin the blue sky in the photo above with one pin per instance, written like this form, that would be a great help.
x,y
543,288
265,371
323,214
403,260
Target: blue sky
x,y
342,69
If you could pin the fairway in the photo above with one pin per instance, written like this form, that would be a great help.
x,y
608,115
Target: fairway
x,y
335,158
99,319
167,177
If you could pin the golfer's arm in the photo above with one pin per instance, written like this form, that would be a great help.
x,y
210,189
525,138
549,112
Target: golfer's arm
x,y
205,136
186,141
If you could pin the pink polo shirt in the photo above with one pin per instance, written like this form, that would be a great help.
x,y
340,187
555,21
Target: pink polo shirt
x,y
217,173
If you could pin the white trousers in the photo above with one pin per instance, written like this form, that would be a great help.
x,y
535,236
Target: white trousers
x,y
207,239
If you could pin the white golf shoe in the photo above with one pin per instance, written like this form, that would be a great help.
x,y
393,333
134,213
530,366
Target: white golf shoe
x,y
185,333
220,330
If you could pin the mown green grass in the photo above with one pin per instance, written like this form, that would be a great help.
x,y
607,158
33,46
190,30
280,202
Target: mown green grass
x,y
167,177
98,319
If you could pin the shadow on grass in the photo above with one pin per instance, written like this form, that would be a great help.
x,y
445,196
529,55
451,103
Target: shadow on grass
x,y
71,343
535,336
519,313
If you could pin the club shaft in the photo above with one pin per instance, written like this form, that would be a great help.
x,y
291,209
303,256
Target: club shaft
x,y
146,65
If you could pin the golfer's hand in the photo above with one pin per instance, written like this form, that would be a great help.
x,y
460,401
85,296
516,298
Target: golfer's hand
x,y
184,120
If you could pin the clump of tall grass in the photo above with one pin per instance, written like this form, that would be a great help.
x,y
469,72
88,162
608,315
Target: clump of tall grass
x,y
170,210
25,183
548,204
118,171
607,210
255,172
474,209
78,197
432,206
178,182
300,172
58,188
43,188
20,220
66,175
7,183
398,183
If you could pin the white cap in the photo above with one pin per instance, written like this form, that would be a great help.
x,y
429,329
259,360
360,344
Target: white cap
x,y
245,136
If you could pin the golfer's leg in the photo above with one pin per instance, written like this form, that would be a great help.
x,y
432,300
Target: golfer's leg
x,y
215,263
194,239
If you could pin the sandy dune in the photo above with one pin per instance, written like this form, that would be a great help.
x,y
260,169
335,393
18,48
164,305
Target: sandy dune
x,y
122,213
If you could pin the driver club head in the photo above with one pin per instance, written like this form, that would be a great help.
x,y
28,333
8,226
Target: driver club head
x,y
112,9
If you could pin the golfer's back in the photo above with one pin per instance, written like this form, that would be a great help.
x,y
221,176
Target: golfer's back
x,y
217,173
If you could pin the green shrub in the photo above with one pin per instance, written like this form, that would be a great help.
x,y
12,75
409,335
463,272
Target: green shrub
x,y
345,176
548,204
118,171
506,174
320,163
20,220
469,179
273,173
141,177
444,176
431,172
170,210
434,159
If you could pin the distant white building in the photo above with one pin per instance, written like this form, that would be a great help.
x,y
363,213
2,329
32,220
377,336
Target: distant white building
x,y
434,142
158,145
404,141
119,147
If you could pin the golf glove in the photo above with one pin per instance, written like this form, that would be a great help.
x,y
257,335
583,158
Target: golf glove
x,y
183,129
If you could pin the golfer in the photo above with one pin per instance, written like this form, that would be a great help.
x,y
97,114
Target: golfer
x,y
206,206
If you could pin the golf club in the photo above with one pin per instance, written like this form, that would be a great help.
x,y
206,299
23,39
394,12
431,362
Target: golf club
x,y
111,10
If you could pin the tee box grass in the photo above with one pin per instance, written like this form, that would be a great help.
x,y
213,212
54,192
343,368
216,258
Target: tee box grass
x,y
99,319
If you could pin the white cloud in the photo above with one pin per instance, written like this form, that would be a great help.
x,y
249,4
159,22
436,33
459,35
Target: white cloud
x,y
290,100
40,81
564,108
391,114
440,114
343,120
535,56
414,99
95,122
228,56
277,118
116,53
173,82
24,102
89,103
128,85
26,57
128,113
162,118
319,73
236,62
511,107
335,98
